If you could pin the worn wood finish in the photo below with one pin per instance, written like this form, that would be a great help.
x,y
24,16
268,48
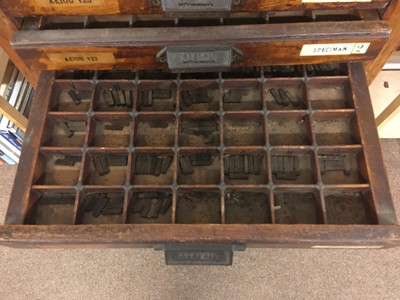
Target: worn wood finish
x,y
373,153
109,7
270,44
391,15
30,150
8,28
298,236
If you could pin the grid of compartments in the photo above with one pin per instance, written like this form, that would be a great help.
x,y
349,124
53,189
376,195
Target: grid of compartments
x,y
273,145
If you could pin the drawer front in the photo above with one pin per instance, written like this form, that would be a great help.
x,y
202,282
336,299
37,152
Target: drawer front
x,y
247,45
283,156
172,7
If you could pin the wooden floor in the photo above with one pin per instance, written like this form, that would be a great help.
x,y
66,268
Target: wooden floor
x,y
256,274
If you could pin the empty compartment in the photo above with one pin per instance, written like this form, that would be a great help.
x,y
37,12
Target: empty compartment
x,y
244,130
155,131
335,128
108,21
289,129
297,207
105,168
241,95
74,74
150,207
53,207
247,207
144,21
156,74
62,22
247,19
110,132
293,166
65,132
71,96
115,96
153,168
118,75
342,166
349,207
199,130
285,94
58,169
160,96
245,167
98,207
198,76
198,22
199,168
336,15
330,93
199,96
198,207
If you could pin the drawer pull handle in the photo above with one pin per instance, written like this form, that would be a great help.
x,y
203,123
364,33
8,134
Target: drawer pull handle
x,y
187,58
178,8
199,254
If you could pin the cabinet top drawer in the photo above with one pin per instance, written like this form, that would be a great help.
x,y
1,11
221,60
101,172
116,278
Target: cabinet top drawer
x,y
172,7
161,48
272,156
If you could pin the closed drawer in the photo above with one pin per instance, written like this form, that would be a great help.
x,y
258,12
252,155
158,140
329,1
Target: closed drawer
x,y
171,7
283,156
198,47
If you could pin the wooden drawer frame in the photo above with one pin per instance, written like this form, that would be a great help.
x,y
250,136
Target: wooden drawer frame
x,y
382,235
137,48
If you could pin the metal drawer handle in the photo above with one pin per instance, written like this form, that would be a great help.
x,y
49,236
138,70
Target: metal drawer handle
x,y
196,6
198,57
199,254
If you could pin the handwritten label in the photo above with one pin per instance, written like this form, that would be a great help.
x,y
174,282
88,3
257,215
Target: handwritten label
x,y
334,49
71,59
69,3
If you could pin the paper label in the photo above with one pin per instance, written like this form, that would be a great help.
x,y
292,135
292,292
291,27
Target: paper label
x,y
334,49
347,247
69,3
80,58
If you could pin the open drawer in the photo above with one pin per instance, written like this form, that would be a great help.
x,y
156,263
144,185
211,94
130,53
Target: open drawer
x,y
201,164
172,7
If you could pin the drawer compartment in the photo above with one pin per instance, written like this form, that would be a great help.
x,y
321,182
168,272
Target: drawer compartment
x,y
255,161
170,7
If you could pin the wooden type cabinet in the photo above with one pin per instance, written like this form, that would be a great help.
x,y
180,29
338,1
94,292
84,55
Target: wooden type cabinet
x,y
248,127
